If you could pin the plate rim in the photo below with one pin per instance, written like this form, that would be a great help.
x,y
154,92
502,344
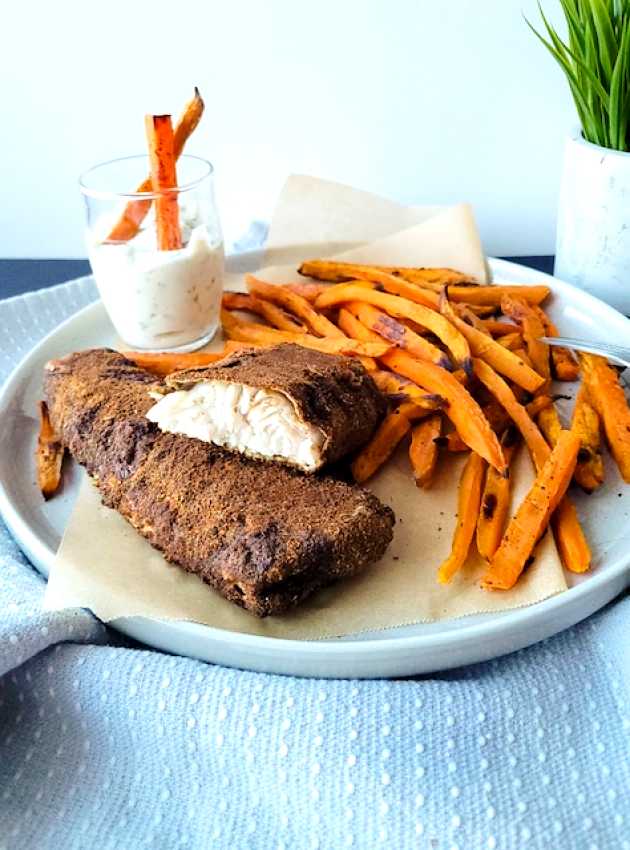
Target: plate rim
x,y
488,629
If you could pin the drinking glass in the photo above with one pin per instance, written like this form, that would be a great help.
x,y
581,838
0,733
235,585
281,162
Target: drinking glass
x,y
157,300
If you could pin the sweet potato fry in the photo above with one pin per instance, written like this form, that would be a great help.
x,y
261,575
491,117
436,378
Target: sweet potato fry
x,y
512,341
484,311
251,332
276,316
454,442
524,356
541,402
468,501
535,441
496,416
397,333
533,515
416,328
423,451
589,470
431,278
382,279
495,504
135,212
397,286
494,294
608,398
310,291
485,347
463,410
338,272
238,301
500,420
568,531
392,384
297,305
550,424
570,539
402,308
382,445
533,329
49,455
466,314
355,329
564,366
164,177
163,363
281,319
498,328
414,411
472,295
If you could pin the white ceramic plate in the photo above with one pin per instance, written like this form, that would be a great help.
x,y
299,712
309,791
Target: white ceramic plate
x,y
423,648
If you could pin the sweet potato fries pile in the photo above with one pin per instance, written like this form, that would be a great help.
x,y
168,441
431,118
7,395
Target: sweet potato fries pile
x,y
465,371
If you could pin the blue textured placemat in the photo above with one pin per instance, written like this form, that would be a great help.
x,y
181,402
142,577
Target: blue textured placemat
x,y
104,746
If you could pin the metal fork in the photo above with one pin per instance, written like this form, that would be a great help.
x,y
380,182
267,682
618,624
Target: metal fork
x,y
617,353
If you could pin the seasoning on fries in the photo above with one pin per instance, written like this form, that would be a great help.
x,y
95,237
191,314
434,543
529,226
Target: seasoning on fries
x,y
495,500
469,501
533,515
423,449
609,400
589,470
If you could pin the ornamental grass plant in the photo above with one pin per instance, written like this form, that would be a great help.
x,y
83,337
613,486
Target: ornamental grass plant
x,y
595,59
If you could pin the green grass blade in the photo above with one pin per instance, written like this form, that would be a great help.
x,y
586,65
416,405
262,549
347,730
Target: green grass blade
x,y
607,42
591,46
616,99
619,91
576,31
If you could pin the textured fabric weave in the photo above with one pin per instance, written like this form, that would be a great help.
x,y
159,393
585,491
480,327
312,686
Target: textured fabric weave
x,y
103,745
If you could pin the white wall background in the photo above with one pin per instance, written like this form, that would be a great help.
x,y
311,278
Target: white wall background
x,y
421,101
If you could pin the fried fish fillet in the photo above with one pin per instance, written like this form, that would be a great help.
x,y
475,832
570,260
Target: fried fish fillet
x,y
264,535
287,403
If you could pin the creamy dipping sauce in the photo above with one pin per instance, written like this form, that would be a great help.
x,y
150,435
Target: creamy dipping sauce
x,y
161,299
258,422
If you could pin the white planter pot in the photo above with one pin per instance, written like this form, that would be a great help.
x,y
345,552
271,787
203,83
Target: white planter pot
x,y
593,235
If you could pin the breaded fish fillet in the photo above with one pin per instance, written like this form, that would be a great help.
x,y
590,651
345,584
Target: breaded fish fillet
x,y
264,535
286,403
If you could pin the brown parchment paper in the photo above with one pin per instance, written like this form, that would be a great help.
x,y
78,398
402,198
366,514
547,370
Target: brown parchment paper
x,y
104,565
318,211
